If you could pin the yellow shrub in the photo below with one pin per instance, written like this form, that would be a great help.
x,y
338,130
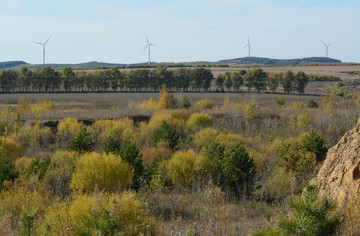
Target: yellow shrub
x,y
131,211
11,148
149,104
204,136
181,114
249,109
203,104
22,206
278,185
199,121
158,117
39,108
67,130
105,172
297,105
117,214
23,105
99,126
229,139
122,129
163,102
259,158
163,99
304,120
227,103
328,105
42,106
185,167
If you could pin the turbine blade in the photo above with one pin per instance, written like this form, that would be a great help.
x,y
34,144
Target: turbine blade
x,y
153,44
324,43
145,47
47,40
246,46
147,38
37,43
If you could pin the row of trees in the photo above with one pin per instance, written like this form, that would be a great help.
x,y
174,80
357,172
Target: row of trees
x,y
49,80
196,79
260,81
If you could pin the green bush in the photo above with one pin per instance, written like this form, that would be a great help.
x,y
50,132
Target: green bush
x,y
183,103
83,142
238,169
312,104
130,154
39,167
110,145
215,152
279,102
172,102
308,215
297,159
314,143
165,135
7,169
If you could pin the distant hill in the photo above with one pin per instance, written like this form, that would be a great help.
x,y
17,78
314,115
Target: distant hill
x,y
91,64
10,64
269,61
236,61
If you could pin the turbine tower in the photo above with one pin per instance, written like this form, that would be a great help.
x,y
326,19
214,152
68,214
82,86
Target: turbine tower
x,y
248,45
43,45
148,45
326,48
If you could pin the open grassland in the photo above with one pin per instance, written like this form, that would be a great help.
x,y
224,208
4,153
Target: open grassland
x,y
118,105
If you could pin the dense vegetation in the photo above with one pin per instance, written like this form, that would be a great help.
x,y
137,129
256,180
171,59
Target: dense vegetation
x,y
183,171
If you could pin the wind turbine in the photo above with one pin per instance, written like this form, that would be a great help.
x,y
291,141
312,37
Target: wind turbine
x,y
43,45
248,45
148,45
326,48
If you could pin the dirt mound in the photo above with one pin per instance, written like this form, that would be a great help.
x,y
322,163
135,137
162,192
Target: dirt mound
x,y
339,177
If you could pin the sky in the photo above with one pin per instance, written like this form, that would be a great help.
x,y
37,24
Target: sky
x,y
183,30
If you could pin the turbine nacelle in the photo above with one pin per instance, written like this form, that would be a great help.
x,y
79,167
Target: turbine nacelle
x,y
43,45
248,45
148,45
326,48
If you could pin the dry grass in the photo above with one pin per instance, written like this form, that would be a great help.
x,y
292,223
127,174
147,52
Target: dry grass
x,y
93,106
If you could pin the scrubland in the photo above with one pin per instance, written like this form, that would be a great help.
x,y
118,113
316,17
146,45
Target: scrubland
x,y
171,163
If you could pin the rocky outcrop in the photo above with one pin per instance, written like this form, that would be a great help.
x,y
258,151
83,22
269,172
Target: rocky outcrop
x,y
339,177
